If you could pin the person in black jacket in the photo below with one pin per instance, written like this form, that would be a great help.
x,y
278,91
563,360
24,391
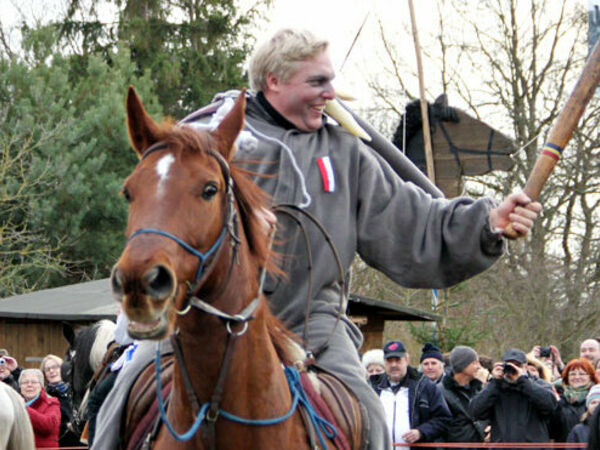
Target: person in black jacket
x,y
415,409
581,432
517,407
458,388
56,387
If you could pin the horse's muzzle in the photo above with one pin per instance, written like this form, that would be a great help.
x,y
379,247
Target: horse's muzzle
x,y
157,283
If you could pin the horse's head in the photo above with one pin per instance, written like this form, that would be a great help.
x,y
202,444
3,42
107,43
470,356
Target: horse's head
x,y
84,355
181,215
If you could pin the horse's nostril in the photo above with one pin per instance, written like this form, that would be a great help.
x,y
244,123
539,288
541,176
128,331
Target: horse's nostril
x,y
159,282
116,280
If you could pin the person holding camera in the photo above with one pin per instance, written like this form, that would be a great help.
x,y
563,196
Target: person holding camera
x,y
551,358
517,407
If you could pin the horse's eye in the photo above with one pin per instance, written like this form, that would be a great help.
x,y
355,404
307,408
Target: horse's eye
x,y
126,195
209,191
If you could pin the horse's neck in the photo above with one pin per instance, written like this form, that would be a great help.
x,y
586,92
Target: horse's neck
x,y
252,369
204,339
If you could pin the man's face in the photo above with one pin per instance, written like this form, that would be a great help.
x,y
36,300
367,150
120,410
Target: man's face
x,y
472,369
590,349
432,368
395,368
301,99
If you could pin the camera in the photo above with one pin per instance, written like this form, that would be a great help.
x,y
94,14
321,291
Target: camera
x,y
508,369
545,352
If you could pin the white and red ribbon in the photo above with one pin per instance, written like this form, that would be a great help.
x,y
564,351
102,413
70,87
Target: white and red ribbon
x,y
327,173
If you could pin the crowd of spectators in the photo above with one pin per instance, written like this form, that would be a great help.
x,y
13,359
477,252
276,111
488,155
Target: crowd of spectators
x,y
47,398
461,396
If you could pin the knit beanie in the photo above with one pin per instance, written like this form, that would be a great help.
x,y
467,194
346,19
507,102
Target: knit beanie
x,y
461,357
374,356
592,394
431,351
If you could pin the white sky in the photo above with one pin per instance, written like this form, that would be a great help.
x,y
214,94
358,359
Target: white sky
x,y
336,20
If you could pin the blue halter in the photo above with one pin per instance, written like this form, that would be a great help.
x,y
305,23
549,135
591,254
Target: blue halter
x,y
201,256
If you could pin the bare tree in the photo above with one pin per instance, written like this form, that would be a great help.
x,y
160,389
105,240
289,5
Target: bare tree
x,y
513,64
26,257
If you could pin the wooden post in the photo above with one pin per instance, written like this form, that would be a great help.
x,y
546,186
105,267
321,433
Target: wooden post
x,y
426,130
424,109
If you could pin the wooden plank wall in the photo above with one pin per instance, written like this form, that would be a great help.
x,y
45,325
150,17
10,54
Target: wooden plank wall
x,y
29,341
372,330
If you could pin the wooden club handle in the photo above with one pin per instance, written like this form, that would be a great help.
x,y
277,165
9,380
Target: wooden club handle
x,y
563,129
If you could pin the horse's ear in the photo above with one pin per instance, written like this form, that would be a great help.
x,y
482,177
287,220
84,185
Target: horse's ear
x,y
143,131
68,333
230,127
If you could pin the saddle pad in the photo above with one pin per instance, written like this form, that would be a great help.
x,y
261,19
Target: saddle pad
x,y
339,406
141,408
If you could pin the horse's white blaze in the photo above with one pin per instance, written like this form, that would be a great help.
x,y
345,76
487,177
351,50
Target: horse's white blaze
x,y
162,169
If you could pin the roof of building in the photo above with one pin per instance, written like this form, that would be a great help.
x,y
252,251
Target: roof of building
x,y
360,305
93,300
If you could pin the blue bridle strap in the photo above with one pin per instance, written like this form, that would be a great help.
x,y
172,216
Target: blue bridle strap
x,y
299,396
201,256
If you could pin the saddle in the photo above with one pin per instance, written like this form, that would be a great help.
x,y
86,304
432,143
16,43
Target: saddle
x,y
332,400
140,422
336,403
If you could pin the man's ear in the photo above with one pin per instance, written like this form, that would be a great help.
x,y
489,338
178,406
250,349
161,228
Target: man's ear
x,y
407,359
272,82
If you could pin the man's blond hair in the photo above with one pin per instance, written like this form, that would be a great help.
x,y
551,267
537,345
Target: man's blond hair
x,y
282,54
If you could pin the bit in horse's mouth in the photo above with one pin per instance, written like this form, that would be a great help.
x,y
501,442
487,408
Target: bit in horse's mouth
x,y
148,330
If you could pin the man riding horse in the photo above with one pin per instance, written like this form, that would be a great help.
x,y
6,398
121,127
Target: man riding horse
x,y
323,181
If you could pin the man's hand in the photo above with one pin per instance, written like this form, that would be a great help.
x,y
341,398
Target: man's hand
x,y
498,370
517,210
412,436
558,362
266,219
515,374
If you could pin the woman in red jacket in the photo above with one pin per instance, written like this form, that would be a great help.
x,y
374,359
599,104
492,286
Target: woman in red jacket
x,y
44,411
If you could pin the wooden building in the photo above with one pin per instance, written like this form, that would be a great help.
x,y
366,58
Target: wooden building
x,y
31,324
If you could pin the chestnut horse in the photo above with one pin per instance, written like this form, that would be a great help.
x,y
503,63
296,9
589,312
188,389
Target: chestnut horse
x,y
192,270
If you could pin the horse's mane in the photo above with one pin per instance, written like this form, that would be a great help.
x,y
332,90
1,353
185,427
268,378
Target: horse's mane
x,y
250,199
104,334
